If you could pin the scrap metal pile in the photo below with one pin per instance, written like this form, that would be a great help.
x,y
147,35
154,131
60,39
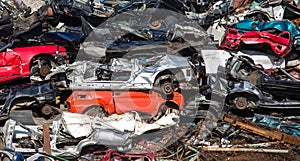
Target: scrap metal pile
x,y
149,80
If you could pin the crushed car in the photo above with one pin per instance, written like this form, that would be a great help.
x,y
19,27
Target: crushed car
x,y
103,103
278,43
250,86
164,73
39,98
35,61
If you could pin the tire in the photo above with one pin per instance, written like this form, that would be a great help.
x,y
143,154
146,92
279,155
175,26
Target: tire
x,y
95,111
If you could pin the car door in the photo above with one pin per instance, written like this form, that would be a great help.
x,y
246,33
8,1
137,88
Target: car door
x,y
142,101
10,65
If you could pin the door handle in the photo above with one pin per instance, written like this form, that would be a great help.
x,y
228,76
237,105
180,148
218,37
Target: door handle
x,y
117,94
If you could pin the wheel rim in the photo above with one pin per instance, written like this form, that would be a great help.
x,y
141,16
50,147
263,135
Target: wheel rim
x,y
46,110
44,70
167,88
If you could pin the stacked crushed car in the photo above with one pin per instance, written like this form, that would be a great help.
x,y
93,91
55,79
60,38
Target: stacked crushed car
x,y
225,76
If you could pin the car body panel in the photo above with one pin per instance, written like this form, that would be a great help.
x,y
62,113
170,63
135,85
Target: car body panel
x,y
80,100
147,101
280,44
121,101
63,37
10,64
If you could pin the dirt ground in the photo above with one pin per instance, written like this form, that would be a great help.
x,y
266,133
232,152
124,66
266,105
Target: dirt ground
x,y
242,156
250,156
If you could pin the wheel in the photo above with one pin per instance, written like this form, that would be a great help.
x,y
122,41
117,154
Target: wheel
x,y
46,113
167,88
40,67
95,111
166,84
46,110
44,70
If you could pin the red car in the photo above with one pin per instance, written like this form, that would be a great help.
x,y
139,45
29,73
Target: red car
x,y
26,61
280,44
119,102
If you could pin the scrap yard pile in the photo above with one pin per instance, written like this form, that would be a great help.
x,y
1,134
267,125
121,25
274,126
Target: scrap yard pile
x,y
93,80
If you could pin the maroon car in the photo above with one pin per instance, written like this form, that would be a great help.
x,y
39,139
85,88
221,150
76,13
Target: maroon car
x,y
27,61
278,42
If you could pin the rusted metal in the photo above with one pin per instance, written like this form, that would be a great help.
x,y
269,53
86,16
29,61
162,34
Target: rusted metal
x,y
45,70
266,132
167,88
46,134
241,103
240,3
47,110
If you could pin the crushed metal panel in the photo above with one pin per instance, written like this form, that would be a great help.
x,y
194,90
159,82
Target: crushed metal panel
x,y
122,123
213,59
110,137
134,123
163,122
141,76
24,24
6,27
284,25
216,30
278,44
94,49
10,64
78,125
267,61
119,129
